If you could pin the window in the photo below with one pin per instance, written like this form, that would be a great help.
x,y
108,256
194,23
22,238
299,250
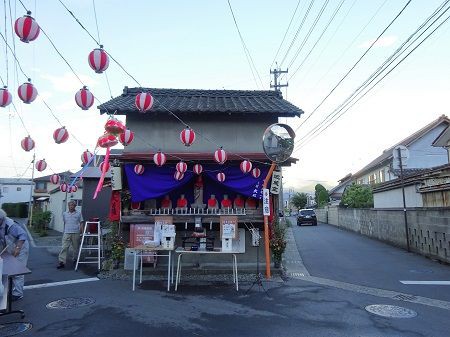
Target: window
x,y
373,179
5,189
41,185
382,176
19,189
360,181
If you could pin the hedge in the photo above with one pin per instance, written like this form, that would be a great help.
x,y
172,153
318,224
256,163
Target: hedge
x,y
16,210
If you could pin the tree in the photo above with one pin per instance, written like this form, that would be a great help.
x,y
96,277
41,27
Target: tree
x,y
357,196
322,196
299,200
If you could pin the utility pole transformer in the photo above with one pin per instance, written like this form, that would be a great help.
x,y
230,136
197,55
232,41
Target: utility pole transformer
x,y
276,73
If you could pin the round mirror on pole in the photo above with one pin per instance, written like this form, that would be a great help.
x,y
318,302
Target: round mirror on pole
x,y
278,142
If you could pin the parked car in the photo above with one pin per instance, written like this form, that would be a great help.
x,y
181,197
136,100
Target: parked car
x,y
306,216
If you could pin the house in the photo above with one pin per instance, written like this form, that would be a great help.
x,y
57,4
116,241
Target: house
x,y
57,204
42,188
336,192
15,190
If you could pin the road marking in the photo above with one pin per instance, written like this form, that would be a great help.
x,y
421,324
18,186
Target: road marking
x,y
434,283
61,283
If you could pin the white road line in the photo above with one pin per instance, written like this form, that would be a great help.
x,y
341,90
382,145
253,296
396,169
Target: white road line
x,y
62,283
435,283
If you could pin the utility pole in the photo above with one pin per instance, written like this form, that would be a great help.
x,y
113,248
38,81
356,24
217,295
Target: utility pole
x,y
404,201
30,202
276,73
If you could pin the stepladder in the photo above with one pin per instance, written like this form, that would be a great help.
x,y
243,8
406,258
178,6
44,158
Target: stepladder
x,y
90,246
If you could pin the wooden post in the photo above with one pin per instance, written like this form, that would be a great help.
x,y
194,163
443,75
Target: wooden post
x,y
266,225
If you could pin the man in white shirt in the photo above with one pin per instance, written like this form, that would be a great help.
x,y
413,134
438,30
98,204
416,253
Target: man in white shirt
x,y
72,228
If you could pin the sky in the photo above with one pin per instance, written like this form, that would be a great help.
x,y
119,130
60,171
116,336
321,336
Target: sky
x,y
195,44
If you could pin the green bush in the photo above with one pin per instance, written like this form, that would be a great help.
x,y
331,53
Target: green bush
x,y
40,221
16,210
357,196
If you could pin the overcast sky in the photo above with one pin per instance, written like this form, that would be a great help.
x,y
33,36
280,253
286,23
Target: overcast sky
x,y
195,44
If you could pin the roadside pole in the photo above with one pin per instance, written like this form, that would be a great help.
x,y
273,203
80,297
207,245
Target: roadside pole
x,y
404,201
266,226
30,202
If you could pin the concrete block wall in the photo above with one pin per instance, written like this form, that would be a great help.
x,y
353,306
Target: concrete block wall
x,y
428,229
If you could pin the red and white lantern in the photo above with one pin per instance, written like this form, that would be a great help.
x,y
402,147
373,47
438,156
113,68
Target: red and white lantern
x,y
5,97
220,156
27,143
187,136
98,60
256,172
198,169
60,135
246,166
86,157
63,187
27,28
114,126
178,175
159,158
84,98
54,179
135,205
107,140
74,188
139,169
181,167
126,137
220,177
27,92
103,164
41,165
144,101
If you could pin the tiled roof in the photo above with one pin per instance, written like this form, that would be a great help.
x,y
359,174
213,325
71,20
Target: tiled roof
x,y
205,101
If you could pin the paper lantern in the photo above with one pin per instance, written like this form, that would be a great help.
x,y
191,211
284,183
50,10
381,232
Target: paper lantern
x,y
144,101
220,177
63,187
27,143
126,137
107,140
84,98
41,165
114,126
60,135
139,169
74,188
159,158
198,169
26,28
187,136
86,157
178,175
181,167
246,166
98,60
256,172
102,164
27,92
220,156
54,179
5,97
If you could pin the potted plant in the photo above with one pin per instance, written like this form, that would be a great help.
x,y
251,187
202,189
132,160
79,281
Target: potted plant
x,y
278,242
117,251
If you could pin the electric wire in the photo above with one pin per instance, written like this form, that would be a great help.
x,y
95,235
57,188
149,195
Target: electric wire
x,y
11,152
6,47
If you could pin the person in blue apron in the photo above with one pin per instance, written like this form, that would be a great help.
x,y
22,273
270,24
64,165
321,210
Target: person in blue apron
x,y
15,239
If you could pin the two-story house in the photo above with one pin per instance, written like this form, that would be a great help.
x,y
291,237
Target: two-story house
x,y
15,190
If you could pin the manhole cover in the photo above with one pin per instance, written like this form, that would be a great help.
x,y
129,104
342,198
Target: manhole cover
x,y
11,329
391,311
70,302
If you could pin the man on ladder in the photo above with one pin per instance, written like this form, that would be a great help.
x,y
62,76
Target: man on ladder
x,y
73,221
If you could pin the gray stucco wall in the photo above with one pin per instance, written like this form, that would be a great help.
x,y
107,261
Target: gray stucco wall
x,y
429,229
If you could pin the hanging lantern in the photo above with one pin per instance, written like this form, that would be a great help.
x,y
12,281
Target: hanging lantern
x,y
187,136
107,140
126,137
63,187
41,165
84,98
144,101
5,97
135,205
159,158
27,143
27,92
60,135
54,179
139,169
246,166
178,175
256,172
181,167
220,177
98,60
102,164
74,188
86,157
27,28
220,156
198,169
114,126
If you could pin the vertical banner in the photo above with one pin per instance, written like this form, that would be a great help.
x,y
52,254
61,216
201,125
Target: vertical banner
x,y
116,178
266,202
276,182
114,206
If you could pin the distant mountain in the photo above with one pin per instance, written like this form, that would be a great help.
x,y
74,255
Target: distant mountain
x,y
308,187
